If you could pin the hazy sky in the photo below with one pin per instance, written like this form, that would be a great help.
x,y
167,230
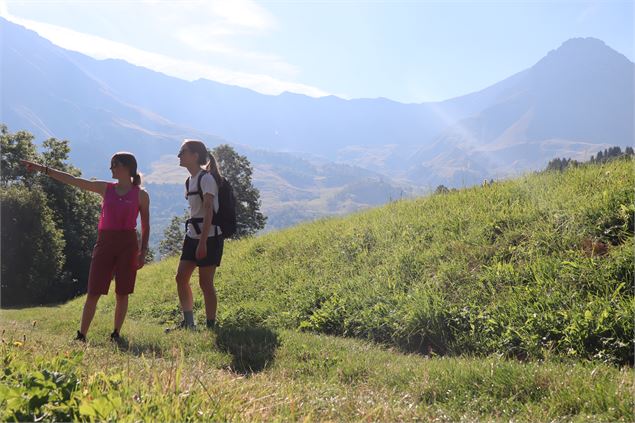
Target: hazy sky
x,y
409,51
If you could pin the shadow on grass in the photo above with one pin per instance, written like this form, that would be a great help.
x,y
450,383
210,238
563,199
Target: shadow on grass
x,y
61,294
252,348
137,349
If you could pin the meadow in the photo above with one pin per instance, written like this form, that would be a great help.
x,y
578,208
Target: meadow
x,y
512,301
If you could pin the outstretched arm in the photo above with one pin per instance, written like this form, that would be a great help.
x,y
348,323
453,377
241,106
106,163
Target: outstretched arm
x,y
94,186
144,211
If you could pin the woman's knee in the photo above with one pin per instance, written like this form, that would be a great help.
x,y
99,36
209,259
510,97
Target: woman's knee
x,y
206,284
92,298
182,279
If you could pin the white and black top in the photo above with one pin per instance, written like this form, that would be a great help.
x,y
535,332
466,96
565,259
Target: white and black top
x,y
208,186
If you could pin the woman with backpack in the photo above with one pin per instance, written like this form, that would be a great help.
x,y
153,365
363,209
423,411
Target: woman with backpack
x,y
203,244
116,252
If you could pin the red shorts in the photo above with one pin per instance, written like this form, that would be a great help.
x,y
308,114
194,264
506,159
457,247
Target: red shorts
x,y
115,254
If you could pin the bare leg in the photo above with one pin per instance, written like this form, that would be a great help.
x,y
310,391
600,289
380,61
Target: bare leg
x,y
183,275
121,308
89,312
206,281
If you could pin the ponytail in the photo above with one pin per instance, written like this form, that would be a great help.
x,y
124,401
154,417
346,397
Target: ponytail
x,y
213,169
136,180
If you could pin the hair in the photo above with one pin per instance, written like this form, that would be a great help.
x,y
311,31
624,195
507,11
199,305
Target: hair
x,y
128,160
205,158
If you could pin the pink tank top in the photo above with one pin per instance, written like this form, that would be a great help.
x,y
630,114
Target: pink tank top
x,y
119,212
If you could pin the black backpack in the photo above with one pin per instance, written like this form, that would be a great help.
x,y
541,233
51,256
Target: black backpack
x,y
225,217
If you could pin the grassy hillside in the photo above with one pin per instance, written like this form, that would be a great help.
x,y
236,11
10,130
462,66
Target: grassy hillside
x,y
519,295
527,268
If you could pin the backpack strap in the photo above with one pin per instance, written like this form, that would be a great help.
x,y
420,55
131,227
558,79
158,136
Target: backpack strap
x,y
194,221
199,192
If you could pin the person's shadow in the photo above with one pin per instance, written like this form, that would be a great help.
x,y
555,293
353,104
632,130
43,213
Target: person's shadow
x,y
137,349
252,348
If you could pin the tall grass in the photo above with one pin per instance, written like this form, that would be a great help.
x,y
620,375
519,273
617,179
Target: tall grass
x,y
534,267
539,268
313,377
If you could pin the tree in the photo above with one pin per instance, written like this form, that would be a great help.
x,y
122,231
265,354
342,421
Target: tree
x,y
561,164
32,248
16,147
149,255
615,151
173,235
76,213
238,171
441,189
73,215
607,155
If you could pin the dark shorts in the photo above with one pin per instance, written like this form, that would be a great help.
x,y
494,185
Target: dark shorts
x,y
115,254
214,251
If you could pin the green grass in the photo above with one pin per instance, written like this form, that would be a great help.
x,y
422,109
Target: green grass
x,y
507,302
309,377
505,269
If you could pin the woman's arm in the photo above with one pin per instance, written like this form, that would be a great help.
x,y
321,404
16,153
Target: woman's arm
x,y
94,186
208,208
144,211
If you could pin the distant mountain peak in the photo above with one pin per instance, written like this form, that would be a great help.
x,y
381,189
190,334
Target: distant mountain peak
x,y
583,48
583,42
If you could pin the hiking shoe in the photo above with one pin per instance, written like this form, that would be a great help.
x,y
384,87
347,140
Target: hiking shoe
x,y
211,324
114,336
180,326
80,337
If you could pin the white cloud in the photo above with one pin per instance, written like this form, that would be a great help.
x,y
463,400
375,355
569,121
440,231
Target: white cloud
x,y
207,40
218,28
253,20
244,13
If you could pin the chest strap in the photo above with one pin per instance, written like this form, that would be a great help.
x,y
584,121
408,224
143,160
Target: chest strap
x,y
195,221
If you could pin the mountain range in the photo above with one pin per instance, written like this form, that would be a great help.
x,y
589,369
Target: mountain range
x,y
320,156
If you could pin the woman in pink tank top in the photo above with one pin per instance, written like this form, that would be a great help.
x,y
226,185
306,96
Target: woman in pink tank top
x,y
116,253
